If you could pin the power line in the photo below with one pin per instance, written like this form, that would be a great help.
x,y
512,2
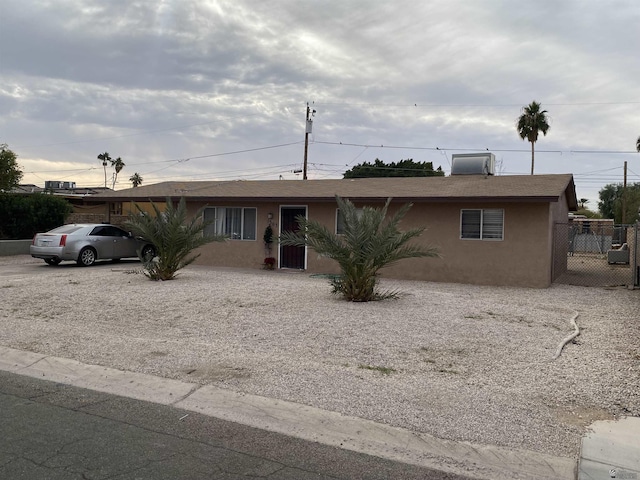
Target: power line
x,y
148,132
435,149
468,105
179,160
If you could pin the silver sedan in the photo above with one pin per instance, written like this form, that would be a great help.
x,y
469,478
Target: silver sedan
x,y
86,243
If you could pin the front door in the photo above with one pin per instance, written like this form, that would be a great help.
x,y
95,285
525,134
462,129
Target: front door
x,y
291,257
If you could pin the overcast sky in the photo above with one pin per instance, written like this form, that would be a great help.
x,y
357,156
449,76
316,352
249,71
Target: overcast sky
x,y
204,90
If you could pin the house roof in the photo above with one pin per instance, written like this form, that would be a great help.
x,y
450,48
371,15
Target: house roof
x,y
475,188
29,188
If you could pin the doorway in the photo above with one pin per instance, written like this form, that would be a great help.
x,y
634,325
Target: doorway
x,y
292,257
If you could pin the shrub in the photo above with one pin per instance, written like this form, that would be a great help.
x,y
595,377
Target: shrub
x,y
22,216
370,242
173,236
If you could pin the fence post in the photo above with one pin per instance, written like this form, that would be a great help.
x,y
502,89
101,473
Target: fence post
x,y
635,251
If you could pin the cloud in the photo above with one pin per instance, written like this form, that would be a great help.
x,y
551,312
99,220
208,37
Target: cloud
x,y
160,83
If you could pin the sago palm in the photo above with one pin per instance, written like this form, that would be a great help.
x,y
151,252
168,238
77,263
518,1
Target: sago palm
x,y
532,121
173,235
369,243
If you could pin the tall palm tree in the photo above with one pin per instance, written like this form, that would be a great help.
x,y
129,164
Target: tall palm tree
x,y
370,242
135,179
173,236
118,165
105,158
532,121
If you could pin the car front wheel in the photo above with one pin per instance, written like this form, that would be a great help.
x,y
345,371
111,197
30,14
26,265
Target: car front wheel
x,y
87,257
148,252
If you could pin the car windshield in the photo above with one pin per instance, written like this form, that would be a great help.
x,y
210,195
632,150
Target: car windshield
x,y
66,229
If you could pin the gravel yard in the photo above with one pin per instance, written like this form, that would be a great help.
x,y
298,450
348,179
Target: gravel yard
x,y
459,362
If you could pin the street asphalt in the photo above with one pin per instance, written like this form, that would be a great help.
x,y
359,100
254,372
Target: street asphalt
x,y
54,431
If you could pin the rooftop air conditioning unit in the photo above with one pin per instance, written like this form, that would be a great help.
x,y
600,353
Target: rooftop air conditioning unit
x,y
473,164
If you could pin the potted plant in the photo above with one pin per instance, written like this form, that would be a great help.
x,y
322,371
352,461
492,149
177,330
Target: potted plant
x,y
269,263
268,236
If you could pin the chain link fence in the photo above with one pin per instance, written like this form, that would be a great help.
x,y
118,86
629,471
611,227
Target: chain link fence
x,y
599,254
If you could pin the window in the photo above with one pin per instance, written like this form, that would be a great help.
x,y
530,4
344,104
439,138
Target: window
x,y
486,224
237,223
115,208
340,220
108,231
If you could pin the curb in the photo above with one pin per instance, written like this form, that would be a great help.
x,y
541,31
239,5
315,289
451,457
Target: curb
x,y
309,423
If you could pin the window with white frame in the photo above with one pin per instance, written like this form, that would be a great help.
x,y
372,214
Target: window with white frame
x,y
482,224
236,223
340,220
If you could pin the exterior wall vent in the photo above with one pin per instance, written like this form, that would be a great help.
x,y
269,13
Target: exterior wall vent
x,y
473,164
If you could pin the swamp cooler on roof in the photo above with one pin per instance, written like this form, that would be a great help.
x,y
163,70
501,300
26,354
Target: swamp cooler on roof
x,y
473,164
54,184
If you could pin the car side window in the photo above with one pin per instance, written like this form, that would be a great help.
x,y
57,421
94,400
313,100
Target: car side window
x,y
99,231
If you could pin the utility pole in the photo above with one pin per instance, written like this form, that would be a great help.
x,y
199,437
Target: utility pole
x,y
624,195
307,131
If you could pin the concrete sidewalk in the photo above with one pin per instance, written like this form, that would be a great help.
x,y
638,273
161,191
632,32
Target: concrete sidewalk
x,y
611,449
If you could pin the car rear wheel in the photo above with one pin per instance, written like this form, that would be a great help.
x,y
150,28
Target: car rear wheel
x,y
52,261
87,257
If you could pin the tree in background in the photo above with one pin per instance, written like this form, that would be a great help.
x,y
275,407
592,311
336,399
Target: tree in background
x,y
173,236
404,168
610,204
105,158
369,243
117,165
532,121
584,210
136,180
10,173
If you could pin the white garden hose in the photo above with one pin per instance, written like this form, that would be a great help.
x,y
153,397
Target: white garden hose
x,y
575,333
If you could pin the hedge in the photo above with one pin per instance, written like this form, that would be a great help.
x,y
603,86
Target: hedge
x,y
22,216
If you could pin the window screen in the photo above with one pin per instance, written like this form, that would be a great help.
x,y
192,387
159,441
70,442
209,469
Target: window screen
x,y
236,223
482,224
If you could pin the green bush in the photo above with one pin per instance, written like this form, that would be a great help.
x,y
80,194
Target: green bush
x,y
370,242
22,216
173,235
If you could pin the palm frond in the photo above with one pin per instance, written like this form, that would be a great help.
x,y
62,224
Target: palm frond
x,y
173,235
369,242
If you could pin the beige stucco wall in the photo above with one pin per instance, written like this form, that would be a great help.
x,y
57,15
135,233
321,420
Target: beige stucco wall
x,y
522,258
241,253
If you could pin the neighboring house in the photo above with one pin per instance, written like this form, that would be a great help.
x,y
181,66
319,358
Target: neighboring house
x,y
74,195
489,230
